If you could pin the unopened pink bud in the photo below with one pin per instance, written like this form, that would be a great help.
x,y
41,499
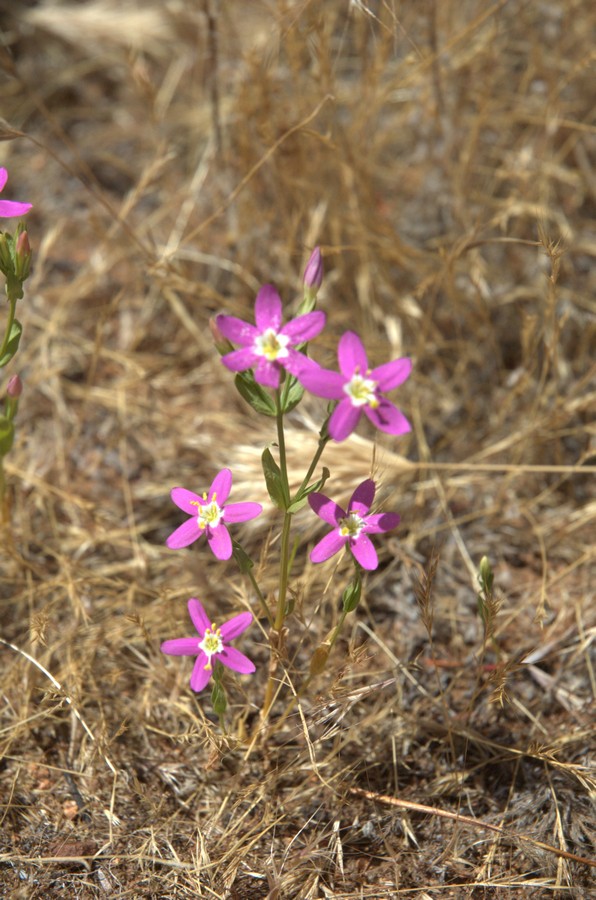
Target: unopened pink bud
x,y
22,254
313,274
14,388
23,247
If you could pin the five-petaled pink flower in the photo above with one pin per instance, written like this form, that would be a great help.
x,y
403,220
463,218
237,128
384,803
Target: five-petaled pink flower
x,y
351,527
11,208
209,516
268,346
358,389
212,645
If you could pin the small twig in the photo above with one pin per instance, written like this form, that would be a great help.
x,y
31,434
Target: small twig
x,y
469,820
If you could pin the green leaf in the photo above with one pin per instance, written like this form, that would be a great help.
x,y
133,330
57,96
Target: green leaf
x,y
13,342
242,559
273,480
254,394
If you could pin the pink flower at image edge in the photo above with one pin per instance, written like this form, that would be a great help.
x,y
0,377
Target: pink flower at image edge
x,y
210,515
358,389
351,527
268,346
11,208
213,645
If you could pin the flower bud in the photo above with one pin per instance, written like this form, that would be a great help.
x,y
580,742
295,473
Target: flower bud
x,y
319,658
222,345
22,256
14,388
351,595
313,274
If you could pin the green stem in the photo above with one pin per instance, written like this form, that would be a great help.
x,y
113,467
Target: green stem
x,y
338,628
245,564
259,594
323,441
11,314
284,572
281,442
284,563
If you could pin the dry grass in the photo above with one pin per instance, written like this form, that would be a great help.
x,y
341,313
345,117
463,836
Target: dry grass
x,y
179,155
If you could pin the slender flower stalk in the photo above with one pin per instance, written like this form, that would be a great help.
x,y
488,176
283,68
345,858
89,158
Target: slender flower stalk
x,y
210,515
212,646
268,347
358,389
352,526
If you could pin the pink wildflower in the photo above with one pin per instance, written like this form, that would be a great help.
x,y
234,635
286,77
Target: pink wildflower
x,y
351,527
267,347
358,389
11,208
209,516
212,645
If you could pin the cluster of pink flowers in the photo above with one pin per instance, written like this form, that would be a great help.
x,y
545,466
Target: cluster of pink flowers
x,y
270,349
209,516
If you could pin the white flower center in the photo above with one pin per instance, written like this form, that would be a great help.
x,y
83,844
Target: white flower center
x,y
361,391
351,526
210,514
272,345
211,644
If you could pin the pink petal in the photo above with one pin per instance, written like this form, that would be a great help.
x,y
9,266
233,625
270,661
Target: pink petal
x,y
381,522
239,360
10,208
184,535
364,552
362,498
267,373
387,417
200,675
181,647
351,355
327,546
344,419
268,309
221,486
199,617
392,374
325,508
220,541
185,500
321,382
3,177
235,626
305,328
242,512
236,660
236,330
294,362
